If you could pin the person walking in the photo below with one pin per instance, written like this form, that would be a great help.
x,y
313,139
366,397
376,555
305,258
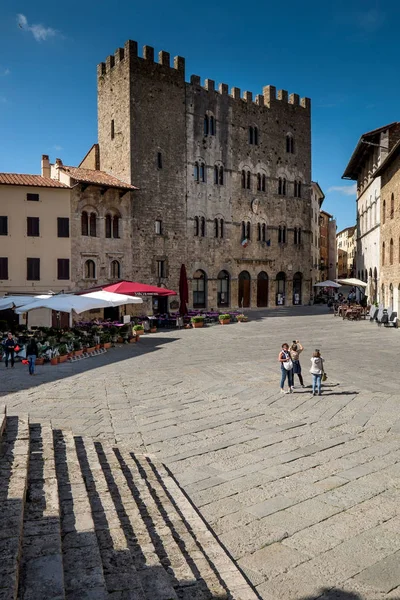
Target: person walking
x,y
317,369
9,347
286,369
295,350
32,352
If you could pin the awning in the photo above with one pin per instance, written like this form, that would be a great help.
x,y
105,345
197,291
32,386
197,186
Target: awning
x,y
14,301
328,283
69,302
133,288
113,299
352,282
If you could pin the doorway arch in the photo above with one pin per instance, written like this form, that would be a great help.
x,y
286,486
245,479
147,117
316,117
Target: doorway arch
x,y
244,289
391,297
262,289
297,288
280,299
223,289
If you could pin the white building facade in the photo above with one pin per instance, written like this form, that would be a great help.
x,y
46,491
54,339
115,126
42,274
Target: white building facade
x,y
371,150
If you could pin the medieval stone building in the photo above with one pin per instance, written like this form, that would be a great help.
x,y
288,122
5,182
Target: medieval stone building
x,y
224,180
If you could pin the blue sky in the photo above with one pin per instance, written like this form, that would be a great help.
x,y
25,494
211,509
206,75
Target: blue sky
x,y
344,55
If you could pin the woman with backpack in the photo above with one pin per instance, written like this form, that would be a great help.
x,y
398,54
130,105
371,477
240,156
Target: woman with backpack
x,y
286,369
317,371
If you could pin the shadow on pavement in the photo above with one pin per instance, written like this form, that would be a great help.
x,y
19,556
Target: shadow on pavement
x,y
335,594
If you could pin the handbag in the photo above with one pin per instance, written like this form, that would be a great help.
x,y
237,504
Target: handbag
x,y
288,365
324,376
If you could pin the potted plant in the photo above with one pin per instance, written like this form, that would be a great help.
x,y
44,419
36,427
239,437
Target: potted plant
x,y
40,358
197,321
63,350
242,318
77,348
224,319
54,356
139,330
114,333
105,340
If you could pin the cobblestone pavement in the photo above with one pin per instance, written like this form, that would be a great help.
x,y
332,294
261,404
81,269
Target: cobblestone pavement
x,y
303,491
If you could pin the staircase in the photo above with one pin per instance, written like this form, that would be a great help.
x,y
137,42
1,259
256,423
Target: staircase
x,y
85,520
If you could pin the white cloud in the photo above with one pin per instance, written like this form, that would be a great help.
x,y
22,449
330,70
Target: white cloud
x,y
346,190
56,147
4,71
39,32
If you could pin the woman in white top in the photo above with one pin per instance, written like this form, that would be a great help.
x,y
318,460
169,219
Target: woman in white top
x,y
317,369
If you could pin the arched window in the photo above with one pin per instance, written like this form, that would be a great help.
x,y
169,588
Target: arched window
x,y
259,182
262,289
295,236
282,234
221,176
196,172
243,179
93,224
221,228
279,234
243,234
216,175
263,183
259,232
391,298
202,172
212,125
248,230
84,223
283,187
90,269
391,252
248,180
196,226
264,232
115,226
299,235
205,126
199,286
280,186
384,212
244,289
203,227
115,270
216,228
223,289
251,135
280,285
108,226
289,143
256,136
295,188
392,206
383,253
297,288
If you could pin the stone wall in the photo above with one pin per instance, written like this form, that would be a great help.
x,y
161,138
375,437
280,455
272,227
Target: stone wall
x,y
390,232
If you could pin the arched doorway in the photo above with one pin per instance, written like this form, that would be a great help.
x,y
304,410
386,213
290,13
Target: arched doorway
x,y
391,298
262,289
297,288
223,289
199,286
382,298
375,285
280,289
244,289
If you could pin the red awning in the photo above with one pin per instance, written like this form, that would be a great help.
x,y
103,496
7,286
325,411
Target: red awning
x,y
133,288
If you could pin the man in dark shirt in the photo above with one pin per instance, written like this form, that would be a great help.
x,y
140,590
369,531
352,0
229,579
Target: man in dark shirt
x,y
9,346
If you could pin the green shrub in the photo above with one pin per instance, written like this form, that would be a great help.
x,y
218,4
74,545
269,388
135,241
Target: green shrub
x,y
197,319
138,328
63,350
224,317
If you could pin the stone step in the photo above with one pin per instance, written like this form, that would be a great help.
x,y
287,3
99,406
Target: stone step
x,y
83,569
14,461
41,568
3,415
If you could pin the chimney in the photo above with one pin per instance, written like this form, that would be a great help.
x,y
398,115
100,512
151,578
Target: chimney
x,y
59,162
45,166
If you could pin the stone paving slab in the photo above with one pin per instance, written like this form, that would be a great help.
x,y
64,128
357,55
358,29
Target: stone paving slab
x,y
301,490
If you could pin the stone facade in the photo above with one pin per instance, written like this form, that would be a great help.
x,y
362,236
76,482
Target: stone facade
x,y
224,182
389,174
317,198
327,246
346,252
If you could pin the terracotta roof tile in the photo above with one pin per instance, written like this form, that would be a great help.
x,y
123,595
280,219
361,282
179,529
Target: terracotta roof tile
x,y
31,180
96,177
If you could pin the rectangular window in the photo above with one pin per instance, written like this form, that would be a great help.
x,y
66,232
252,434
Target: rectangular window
x,y
3,267
158,227
63,227
33,197
160,268
112,129
33,269
159,160
3,225
32,226
62,268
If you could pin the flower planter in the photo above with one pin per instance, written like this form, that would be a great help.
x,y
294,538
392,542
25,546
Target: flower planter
x,y
120,340
225,321
90,350
78,352
139,332
39,361
54,361
132,340
107,345
153,330
97,347
63,358
198,325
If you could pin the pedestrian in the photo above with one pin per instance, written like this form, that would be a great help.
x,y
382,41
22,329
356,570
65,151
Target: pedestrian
x,y
295,350
317,369
32,352
286,369
9,346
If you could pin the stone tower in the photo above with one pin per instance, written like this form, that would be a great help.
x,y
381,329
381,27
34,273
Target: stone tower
x,y
225,181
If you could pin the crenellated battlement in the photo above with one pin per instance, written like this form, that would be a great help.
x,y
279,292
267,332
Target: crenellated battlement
x,y
269,96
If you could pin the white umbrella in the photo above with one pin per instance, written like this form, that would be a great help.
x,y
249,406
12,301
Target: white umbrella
x,y
112,298
328,283
64,303
13,301
353,282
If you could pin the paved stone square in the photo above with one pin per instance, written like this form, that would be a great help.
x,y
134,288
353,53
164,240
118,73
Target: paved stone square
x,y
303,491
